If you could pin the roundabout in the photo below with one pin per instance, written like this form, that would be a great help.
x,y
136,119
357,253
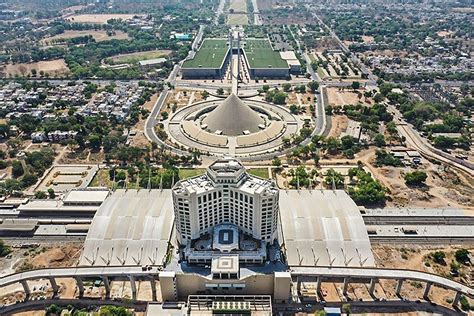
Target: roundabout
x,y
236,126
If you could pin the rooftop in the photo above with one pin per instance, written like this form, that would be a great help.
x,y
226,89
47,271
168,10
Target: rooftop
x,y
211,54
86,196
132,227
233,117
225,264
323,228
260,54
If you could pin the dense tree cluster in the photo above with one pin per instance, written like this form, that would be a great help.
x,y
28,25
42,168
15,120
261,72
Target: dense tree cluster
x,y
365,190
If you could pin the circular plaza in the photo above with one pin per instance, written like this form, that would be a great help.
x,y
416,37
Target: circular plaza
x,y
240,127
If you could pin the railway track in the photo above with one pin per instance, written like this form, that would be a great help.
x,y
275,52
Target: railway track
x,y
421,240
419,220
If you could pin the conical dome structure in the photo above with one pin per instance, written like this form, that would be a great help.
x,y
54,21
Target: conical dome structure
x,y
233,117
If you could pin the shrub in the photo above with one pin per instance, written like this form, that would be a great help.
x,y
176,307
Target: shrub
x,y
415,178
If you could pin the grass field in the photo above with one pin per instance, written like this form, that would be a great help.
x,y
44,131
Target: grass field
x,y
98,18
238,5
189,173
261,55
210,55
134,58
259,172
237,19
56,67
97,35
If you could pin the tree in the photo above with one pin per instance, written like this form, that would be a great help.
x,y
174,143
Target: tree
x,y
334,178
379,140
279,98
41,195
4,249
346,308
286,87
17,169
462,255
94,141
438,257
4,130
313,86
378,98
220,91
415,178
28,180
53,309
276,162
294,109
205,94
367,191
51,193
463,301
355,85
109,310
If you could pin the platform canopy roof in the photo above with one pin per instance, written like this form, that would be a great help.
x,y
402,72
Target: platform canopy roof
x,y
232,117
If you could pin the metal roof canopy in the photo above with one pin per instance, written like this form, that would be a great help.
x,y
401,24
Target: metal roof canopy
x,y
132,227
323,228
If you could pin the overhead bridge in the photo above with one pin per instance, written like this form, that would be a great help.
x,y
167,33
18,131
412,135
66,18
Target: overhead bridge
x,y
170,280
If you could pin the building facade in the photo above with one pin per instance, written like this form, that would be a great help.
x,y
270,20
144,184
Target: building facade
x,y
226,194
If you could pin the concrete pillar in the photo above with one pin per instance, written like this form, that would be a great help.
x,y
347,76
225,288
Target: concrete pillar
x,y
107,286
373,282
318,284
426,294
80,286
134,287
55,286
345,286
282,286
26,287
153,289
298,285
457,298
399,286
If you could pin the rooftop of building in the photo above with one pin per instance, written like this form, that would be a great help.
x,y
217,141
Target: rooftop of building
x,y
86,196
225,264
225,167
132,227
323,228
211,54
260,54
232,117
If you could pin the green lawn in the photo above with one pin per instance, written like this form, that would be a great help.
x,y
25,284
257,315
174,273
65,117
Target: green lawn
x,y
259,172
189,173
134,58
238,5
237,19
321,73
260,54
211,54
101,179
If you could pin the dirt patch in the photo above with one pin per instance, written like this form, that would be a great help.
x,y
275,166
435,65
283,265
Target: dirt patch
x,y
338,97
64,256
140,139
56,67
338,125
98,18
367,39
419,258
99,36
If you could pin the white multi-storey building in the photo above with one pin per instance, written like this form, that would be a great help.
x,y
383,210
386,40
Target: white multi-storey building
x,y
226,194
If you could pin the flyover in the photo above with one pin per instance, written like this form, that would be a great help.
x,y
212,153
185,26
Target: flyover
x,y
300,273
